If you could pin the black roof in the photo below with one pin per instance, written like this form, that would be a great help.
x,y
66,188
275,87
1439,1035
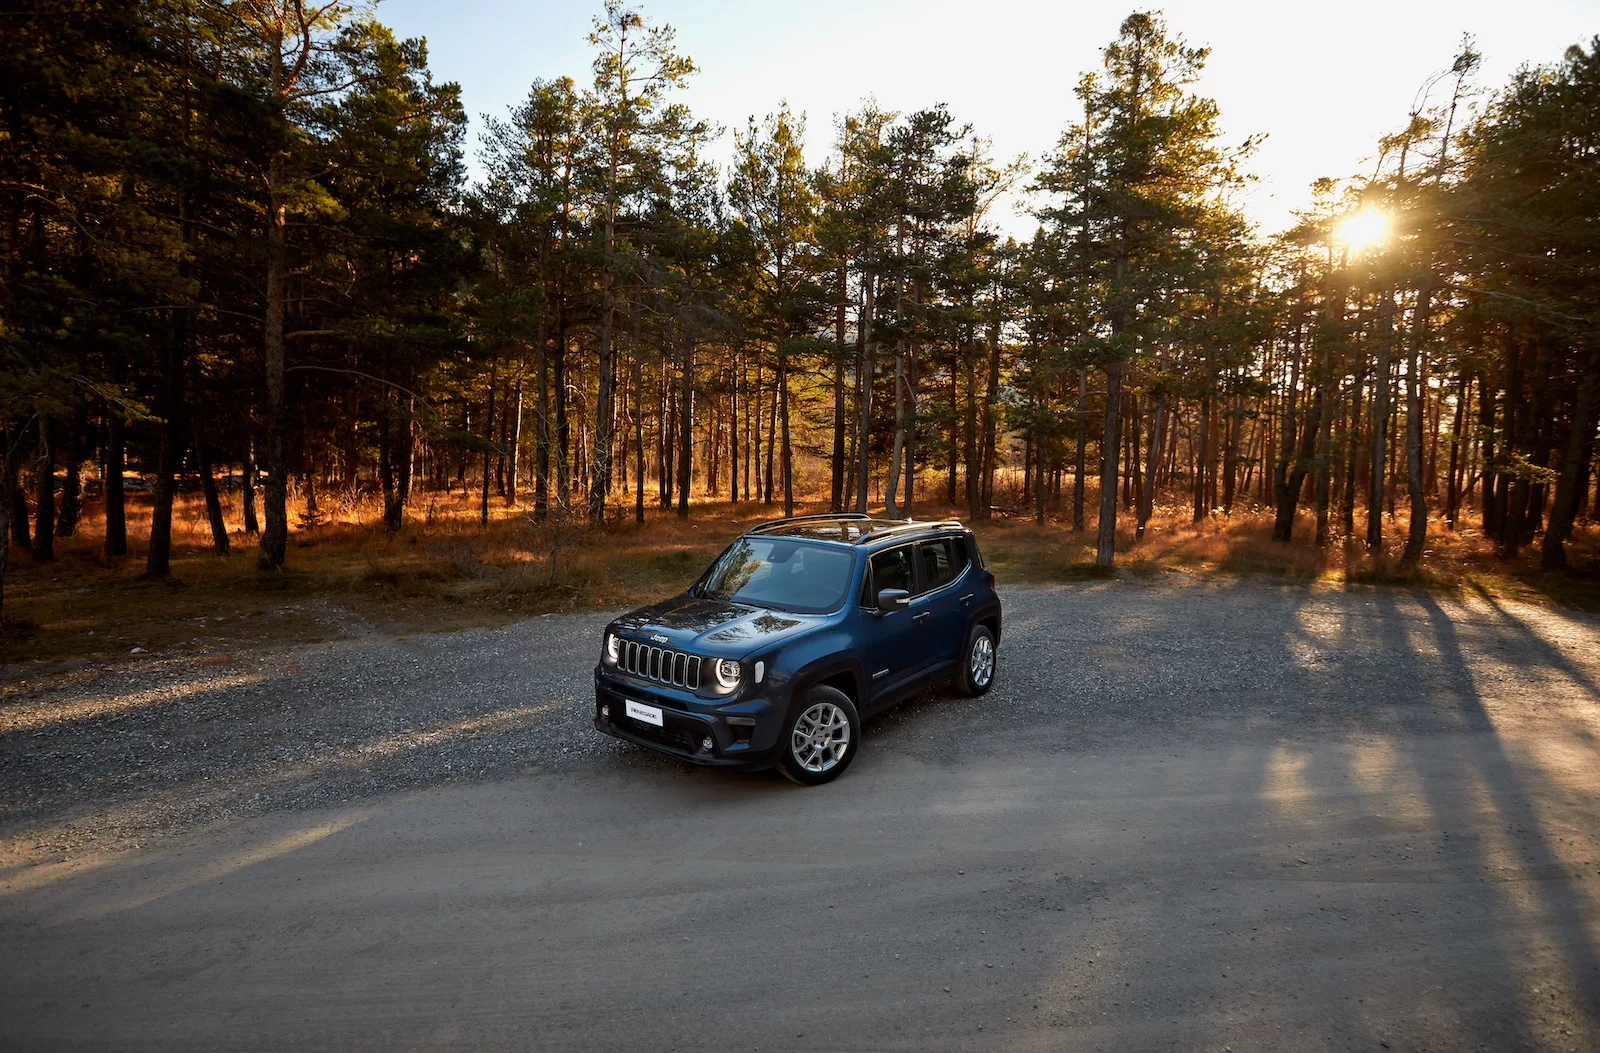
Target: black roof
x,y
850,528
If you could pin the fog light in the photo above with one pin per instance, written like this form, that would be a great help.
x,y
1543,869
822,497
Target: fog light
x,y
706,744
605,712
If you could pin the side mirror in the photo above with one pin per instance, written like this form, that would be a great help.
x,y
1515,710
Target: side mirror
x,y
893,600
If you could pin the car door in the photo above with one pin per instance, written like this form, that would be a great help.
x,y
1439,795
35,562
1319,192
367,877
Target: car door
x,y
889,646
942,610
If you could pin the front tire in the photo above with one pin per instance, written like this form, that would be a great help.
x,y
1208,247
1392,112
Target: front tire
x,y
820,737
976,672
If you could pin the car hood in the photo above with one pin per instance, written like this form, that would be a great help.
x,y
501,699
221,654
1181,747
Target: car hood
x,y
712,627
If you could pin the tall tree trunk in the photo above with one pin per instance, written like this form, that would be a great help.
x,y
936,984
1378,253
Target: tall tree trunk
x,y
1572,482
892,487
514,444
1452,498
71,492
542,428
736,376
969,435
864,390
208,486
558,391
638,434
1283,499
788,455
991,424
600,446
909,477
1081,411
386,458
116,543
488,442
8,479
275,500
1106,540
1147,496
836,478
1380,426
248,488
44,495
770,477
1486,423
170,452
686,431
1417,534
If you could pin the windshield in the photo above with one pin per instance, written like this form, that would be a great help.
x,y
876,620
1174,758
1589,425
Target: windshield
x,y
780,572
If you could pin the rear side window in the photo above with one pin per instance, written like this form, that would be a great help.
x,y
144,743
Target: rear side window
x,y
942,561
892,570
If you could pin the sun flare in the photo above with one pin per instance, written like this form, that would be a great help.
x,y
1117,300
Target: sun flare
x,y
1362,230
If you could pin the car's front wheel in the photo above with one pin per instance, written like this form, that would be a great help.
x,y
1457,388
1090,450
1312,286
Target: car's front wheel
x,y
977,662
820,737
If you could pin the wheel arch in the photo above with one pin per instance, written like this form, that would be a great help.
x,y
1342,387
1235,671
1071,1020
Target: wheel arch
x,y
840,674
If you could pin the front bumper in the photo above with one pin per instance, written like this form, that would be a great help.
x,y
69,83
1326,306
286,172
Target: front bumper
x,y
686,724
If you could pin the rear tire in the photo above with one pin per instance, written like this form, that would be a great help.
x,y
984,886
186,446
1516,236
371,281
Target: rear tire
x,y
820,738
975,674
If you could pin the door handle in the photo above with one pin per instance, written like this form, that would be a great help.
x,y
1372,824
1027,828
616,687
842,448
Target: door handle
x,y
921,615
968,597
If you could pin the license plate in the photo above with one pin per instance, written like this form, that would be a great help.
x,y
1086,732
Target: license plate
x,y
639,711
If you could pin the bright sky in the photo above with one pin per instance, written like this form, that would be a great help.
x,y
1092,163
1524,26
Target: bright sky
x,y
1324,81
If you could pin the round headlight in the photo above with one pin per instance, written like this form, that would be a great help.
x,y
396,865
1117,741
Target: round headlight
x,y
613,648
727,673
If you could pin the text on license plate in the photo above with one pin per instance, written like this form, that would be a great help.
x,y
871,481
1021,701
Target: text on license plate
x,y
639,711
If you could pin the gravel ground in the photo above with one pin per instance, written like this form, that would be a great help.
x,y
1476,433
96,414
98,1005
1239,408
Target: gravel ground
x,y
1194,814
113,757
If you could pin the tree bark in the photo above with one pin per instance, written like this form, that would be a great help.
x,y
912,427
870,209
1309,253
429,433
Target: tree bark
x,y
44,495
864,391
1147,496
1079,465
1572,482
275,500
1106,541
788,455
892,486
116,543
1380,426
71,492
208,485
686,433
1417,533
488,443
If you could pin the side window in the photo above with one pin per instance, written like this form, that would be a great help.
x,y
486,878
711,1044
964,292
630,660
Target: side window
x,y
892,570
942,560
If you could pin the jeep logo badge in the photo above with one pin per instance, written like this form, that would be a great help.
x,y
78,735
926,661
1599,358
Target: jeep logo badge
x,y
658,638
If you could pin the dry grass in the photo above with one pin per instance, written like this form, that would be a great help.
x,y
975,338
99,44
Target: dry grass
x,y
445,571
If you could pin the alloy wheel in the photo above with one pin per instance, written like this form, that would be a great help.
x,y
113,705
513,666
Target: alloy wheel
x,y
981,662
820,738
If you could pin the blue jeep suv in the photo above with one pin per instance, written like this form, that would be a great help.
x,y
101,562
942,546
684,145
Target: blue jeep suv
x,y
801,628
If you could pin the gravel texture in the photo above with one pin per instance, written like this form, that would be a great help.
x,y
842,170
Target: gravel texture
x,y
1194,814
115,756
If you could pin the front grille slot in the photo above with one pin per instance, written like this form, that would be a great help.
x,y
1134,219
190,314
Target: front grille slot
x,y
677,668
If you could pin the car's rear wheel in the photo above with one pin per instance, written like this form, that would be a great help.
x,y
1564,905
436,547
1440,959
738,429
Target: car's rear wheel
x,y
976,673
820,738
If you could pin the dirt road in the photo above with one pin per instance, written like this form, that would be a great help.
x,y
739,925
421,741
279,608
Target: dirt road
x,y
1204,816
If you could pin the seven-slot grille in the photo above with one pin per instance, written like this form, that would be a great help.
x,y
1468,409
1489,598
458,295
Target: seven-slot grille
x,y
657,663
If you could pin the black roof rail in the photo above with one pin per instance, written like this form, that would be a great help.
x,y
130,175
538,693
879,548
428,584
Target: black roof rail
x,y
772,523
907,527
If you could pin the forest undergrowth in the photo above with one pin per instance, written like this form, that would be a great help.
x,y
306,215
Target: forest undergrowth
x,y
444,571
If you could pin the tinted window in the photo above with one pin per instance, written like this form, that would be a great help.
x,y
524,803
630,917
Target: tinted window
x,y
942,560
892,570
776,572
